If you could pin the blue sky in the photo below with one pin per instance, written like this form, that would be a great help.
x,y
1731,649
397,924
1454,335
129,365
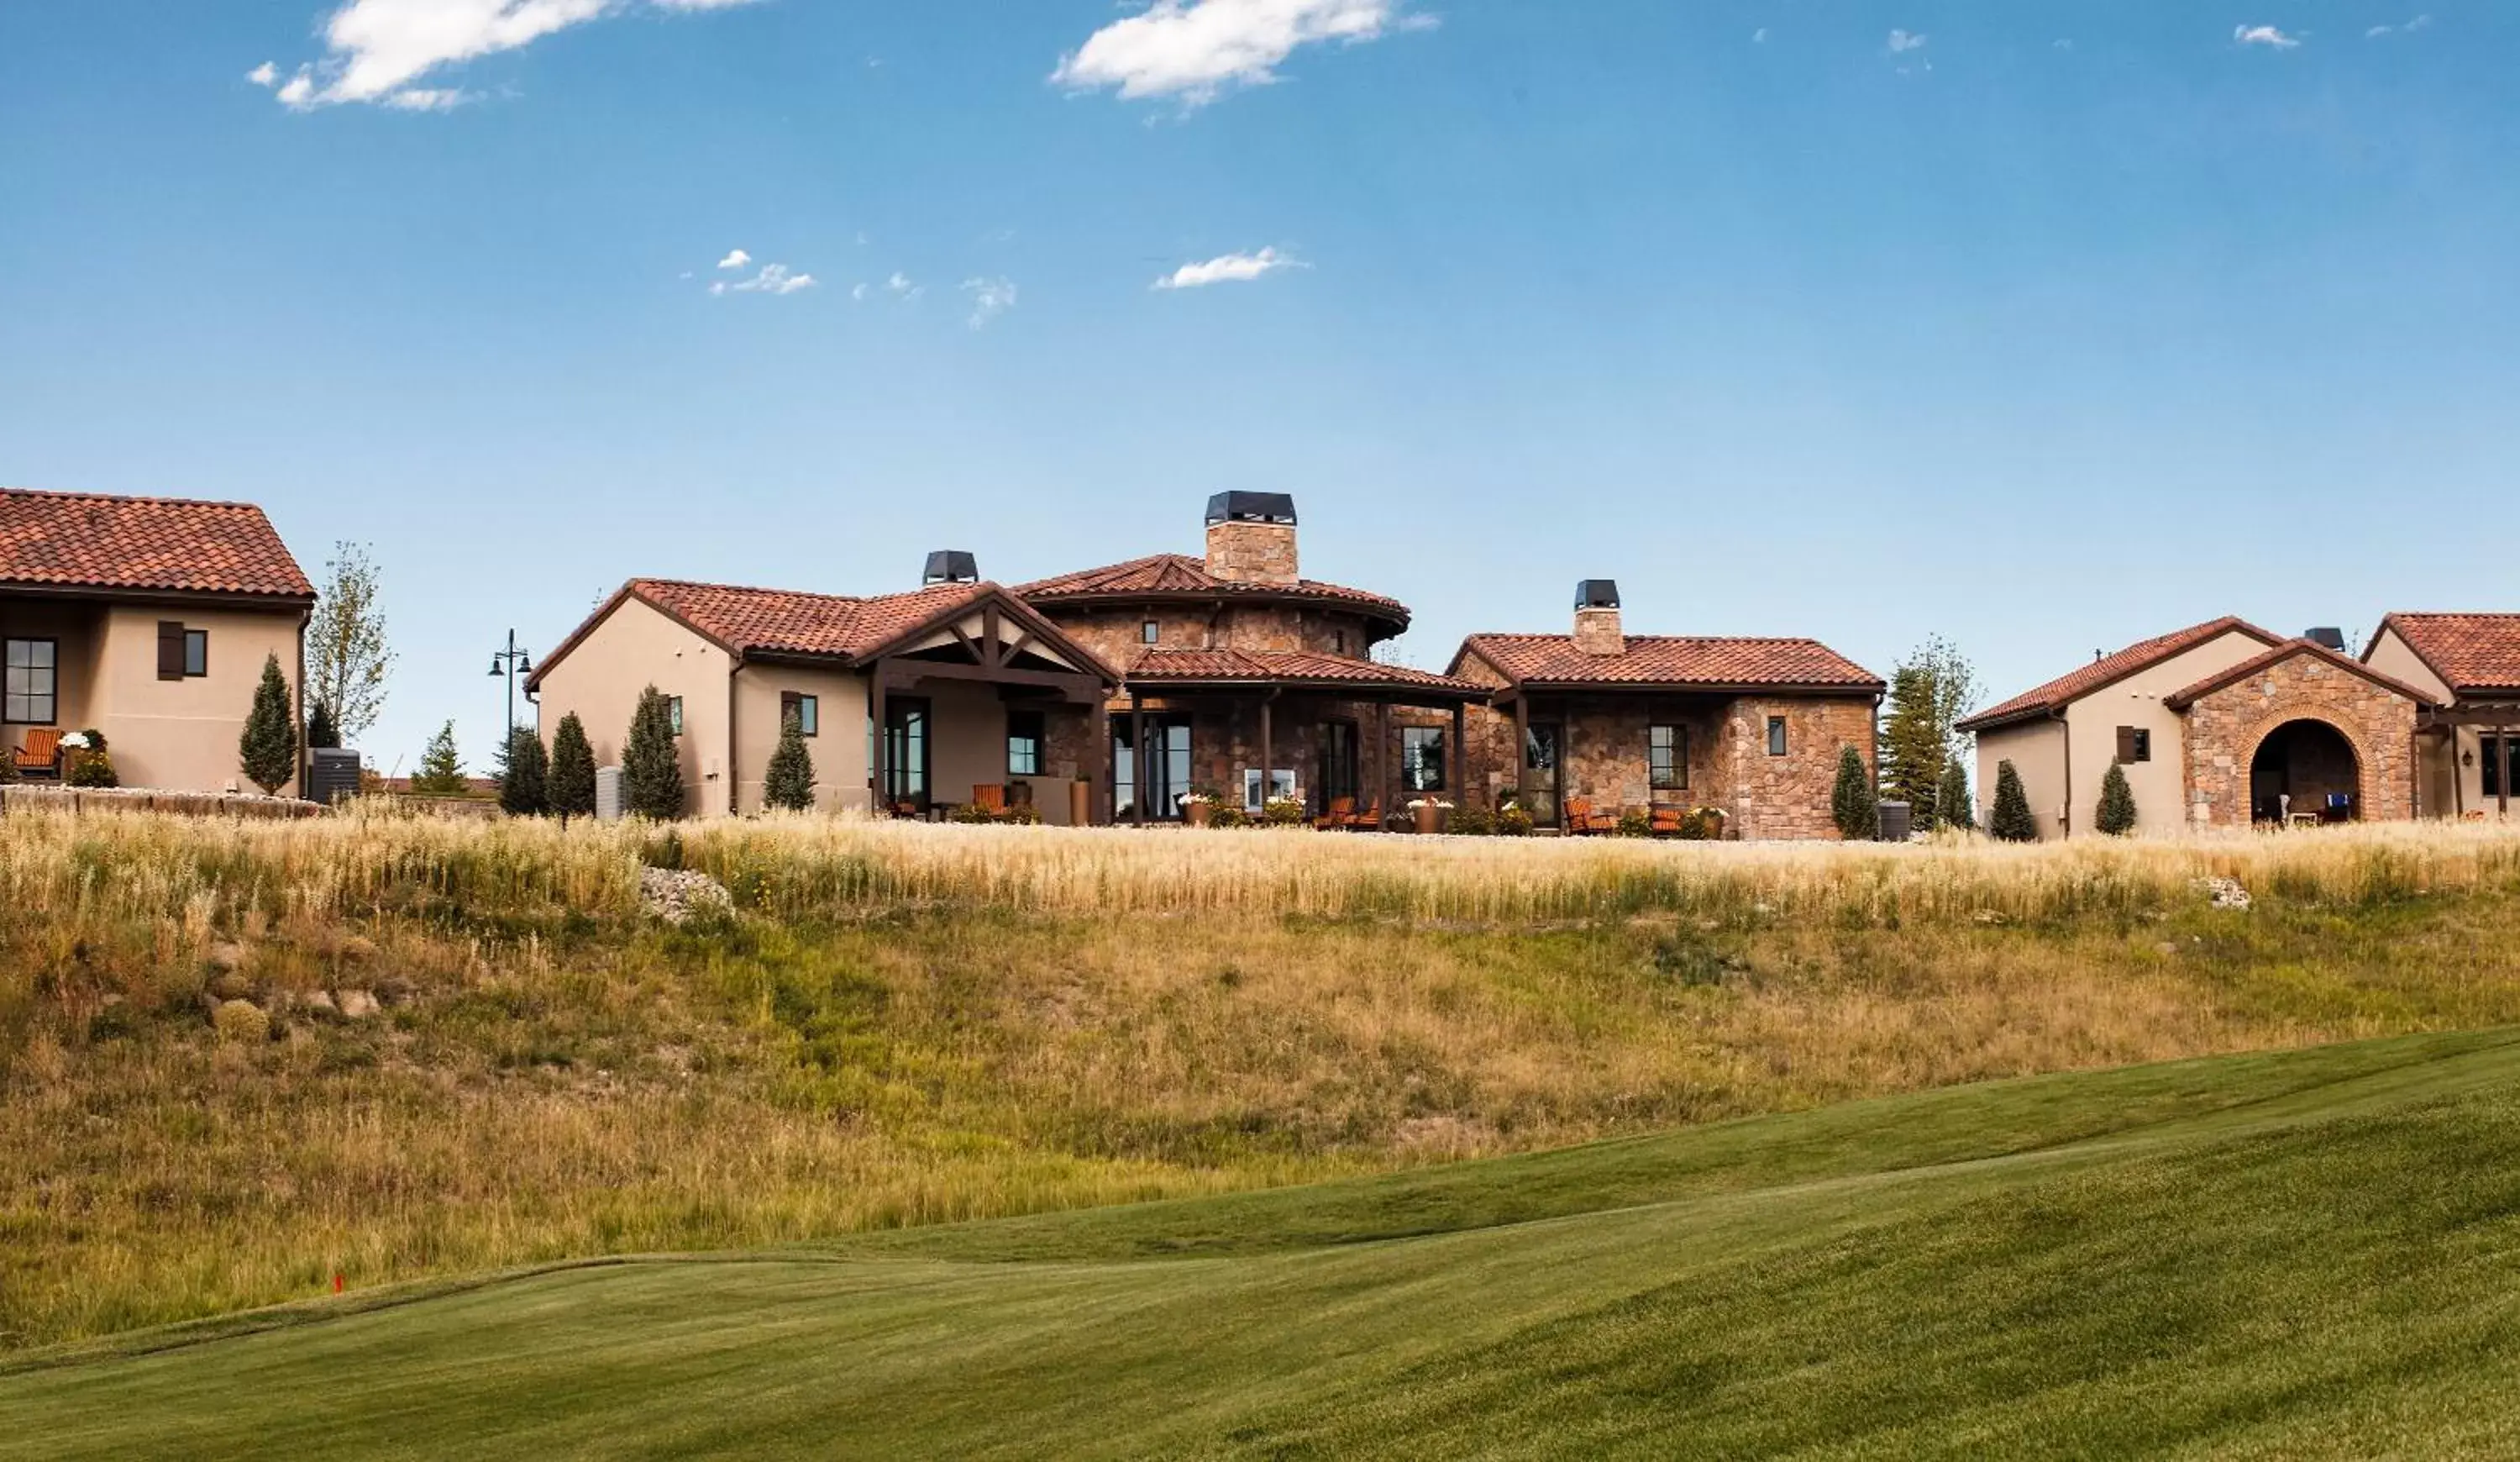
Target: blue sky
x,y
2044,327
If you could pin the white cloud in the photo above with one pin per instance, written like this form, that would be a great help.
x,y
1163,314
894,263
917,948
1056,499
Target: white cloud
x,y
1225,268
1905,40
736,258
774,279
2061,44
990,298
2419,23
901,287
376,50
1760,34
2264,35
858,291
1196,49
264,75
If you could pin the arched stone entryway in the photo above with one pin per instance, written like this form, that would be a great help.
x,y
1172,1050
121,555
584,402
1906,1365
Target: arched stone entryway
x,y
2305,768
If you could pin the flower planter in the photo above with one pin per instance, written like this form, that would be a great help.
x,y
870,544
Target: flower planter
x,y
1430,818
1198,813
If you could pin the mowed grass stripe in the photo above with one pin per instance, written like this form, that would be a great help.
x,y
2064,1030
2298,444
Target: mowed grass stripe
x,y
2208,1255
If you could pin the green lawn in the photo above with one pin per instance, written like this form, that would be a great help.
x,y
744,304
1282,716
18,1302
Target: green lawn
x,y
2310,1253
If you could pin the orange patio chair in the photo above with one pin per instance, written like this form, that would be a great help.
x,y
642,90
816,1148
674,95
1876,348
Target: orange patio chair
x,y
989,794
42,756
1341,809
1666,821
1367,821
1580,818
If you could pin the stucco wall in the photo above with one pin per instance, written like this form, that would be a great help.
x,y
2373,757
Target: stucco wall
x,y
838,750
77,632
2225,728
183,733
2036,752
2460,755
634,646
2159,784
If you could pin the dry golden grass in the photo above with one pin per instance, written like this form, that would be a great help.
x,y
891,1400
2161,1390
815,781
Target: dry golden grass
x,y
909,1023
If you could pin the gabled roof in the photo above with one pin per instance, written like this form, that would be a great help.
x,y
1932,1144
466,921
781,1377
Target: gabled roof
x,y
76,540
753,621
2473,654
1177,576
1677,662
2187,696
1157,665
2109,670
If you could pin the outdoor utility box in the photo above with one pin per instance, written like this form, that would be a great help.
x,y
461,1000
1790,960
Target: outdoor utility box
x,y
608,794
1895,824
332,775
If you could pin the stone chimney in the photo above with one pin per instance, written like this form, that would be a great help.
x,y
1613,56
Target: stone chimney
x,y
1251,537
1597,617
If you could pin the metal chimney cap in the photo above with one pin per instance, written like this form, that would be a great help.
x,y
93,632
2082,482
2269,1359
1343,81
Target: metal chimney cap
x,y
1596,593
952,566
1251,506
2327,636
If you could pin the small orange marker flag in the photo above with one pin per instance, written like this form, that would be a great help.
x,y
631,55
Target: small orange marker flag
x,y
336,1281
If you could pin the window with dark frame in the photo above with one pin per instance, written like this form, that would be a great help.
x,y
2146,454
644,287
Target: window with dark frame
x,y
30,682
2497,764
2135,744
1421,757
1149,631
807,709
1025,732
1775,736
197,652
1666,757
674,712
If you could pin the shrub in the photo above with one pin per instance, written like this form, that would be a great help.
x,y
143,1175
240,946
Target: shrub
x,y
1853,804
1702,824
441,770
652,769
1634,823
1283,812
971,813
1467,821
85,761
524,775
789,782
1512,820
1229,815
1020,814
572,770
321,733
2010,820
1951,797
2116,815
7,765
267,749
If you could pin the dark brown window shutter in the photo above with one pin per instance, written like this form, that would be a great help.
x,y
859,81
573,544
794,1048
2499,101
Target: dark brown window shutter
x,y
170,650
2126,745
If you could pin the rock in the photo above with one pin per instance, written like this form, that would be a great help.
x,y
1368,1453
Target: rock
x,y
226,954
675,895
228,985
2167,946
241,1023
1991,916
321,1002
393,989
2225,892
358,1005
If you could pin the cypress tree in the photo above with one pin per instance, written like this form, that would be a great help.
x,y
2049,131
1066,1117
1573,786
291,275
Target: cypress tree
x,y
2116,815
441,769
651,770
268,747
2010,820
524,774
321,733
1951,797
572,770
1913,745
1852,802
789,782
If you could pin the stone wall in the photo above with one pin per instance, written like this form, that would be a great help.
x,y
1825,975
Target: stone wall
x,y
2223,730
1117,632
1252,553
1788,796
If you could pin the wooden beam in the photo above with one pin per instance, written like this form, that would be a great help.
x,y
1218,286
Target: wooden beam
x,y
896,672
996,652
1522,751
979,655
1268,751
1461,756
880,784
1098,806
1022,643
1137,761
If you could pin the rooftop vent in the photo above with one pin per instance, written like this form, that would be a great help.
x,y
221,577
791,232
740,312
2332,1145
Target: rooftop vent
x,y
2326,635
951,566
1251,506
1596,593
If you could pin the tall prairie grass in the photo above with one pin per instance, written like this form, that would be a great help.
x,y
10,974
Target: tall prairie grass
x,y
909,1023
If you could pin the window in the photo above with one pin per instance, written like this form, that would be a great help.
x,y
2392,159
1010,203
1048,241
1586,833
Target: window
x,y
2135,744
182,653
674,712
1024,733
1421,757
905,751
2499,771
1281,783
1775,736
31,684
1666,757
1339,642
807,709
1149,631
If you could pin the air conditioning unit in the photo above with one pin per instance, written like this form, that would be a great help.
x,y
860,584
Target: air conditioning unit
x,y
608,794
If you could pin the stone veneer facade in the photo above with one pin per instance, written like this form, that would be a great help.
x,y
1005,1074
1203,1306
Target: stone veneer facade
x,y
1252,553
2225,727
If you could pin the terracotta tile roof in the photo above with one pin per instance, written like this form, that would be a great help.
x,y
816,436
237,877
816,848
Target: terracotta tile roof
x,y
1157,665
82,539
1710,661
750,620
2187,696
1165,575
2108,669
2472,654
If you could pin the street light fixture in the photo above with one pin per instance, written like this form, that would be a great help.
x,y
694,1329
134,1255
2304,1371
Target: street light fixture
x,y
509,664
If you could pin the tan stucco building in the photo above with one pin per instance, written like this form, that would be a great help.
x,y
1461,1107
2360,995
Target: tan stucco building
x,y
2221,724
147,620
2469,665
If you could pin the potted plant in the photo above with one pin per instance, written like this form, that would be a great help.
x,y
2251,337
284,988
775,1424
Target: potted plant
x,y
1198,806
85,762
1429,812
1283,811
1512,819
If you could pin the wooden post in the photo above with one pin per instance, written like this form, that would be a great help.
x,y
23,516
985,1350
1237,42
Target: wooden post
x,y
2502,770
879,781
1268,751
1136,760
1098,764
1460,780
1522,748
1381,758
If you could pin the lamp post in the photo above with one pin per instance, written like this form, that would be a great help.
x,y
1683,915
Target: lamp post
x,y
507,665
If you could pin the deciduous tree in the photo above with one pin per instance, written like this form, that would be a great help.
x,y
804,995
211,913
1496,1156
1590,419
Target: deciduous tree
x,y
347,659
